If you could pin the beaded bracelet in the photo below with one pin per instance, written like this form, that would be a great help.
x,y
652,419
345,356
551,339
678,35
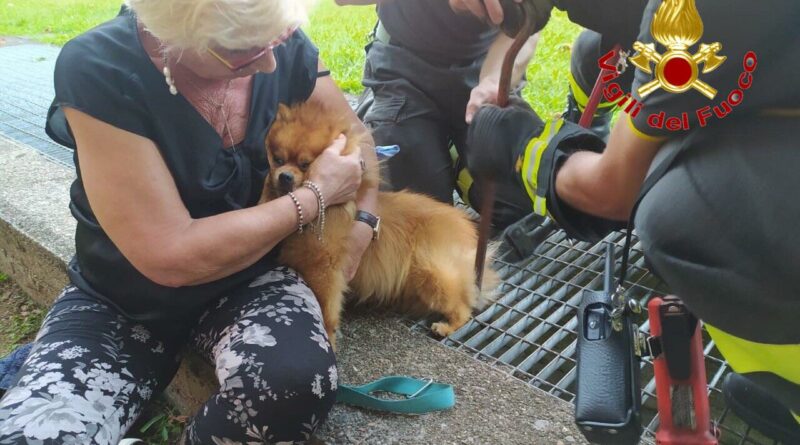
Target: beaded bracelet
x,y
299,212
321,201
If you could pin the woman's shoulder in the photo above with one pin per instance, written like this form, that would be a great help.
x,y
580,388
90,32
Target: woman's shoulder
x,y
97,74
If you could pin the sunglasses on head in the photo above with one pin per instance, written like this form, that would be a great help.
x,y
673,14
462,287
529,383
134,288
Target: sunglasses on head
x,y
251,57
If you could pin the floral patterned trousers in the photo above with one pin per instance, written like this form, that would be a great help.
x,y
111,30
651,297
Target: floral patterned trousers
x,y
92,369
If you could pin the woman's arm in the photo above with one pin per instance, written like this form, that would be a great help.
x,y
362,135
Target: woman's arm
x,y
607,184
328,93
135,200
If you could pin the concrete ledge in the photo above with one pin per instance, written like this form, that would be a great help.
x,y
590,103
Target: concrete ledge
x,y
36,241
33,267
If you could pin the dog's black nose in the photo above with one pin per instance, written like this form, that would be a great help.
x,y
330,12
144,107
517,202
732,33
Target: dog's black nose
x,y
285,179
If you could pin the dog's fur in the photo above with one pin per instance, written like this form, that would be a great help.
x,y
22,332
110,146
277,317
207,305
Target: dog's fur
x,y
423,260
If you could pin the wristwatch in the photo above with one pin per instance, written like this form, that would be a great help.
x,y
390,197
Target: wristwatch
x,y
371,220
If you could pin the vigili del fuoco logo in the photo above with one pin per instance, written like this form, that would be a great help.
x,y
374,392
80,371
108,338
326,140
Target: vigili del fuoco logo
x,y
677,25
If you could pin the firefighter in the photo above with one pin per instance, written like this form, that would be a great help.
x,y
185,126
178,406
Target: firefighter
x,y
428,69
713,146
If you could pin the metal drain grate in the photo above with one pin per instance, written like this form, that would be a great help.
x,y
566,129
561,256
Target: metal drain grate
x,y
529,331
26,90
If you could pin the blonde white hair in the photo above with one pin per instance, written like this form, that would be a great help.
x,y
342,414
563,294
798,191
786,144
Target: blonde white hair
x,y
231,24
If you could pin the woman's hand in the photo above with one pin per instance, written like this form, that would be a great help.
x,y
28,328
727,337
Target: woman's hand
x,y
338,176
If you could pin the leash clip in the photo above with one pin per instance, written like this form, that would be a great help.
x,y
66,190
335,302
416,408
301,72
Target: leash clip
x,y
622,307
619,303
424,387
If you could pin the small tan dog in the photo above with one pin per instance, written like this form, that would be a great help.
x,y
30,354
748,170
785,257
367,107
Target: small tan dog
x,y
423,260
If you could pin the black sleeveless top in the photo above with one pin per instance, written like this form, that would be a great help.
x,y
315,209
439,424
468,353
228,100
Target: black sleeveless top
x,y
107,74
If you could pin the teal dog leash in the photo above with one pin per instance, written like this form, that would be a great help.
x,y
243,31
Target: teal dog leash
x,y
421,396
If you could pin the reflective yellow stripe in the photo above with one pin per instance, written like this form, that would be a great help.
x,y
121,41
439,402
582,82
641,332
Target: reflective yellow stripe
x,y
640,134
746,356
582,98
530,164
781,112
533,145
464,183
540,206
577,92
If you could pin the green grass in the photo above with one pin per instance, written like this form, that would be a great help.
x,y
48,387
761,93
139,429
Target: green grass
x,y
340,33
547,74
159,423
20,316
53,21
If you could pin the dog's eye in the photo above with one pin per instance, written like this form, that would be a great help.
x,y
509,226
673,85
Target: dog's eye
x,y
304,166
278,161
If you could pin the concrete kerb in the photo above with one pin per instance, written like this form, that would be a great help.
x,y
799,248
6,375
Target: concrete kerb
x,y
36,241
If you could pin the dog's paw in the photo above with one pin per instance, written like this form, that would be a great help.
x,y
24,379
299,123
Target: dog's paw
x,y
442,329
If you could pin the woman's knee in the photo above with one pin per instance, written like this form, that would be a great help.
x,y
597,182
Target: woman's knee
x,y
284,403
295,391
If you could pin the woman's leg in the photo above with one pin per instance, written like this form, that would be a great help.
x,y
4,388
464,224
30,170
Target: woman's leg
x,y
275,366
89,374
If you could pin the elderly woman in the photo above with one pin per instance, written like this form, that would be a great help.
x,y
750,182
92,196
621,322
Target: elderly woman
x,y
167,106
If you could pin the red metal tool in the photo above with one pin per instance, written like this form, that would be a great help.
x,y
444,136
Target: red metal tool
x,y
680,374
597,92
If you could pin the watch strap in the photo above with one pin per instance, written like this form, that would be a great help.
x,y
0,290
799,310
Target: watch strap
x,y
371,220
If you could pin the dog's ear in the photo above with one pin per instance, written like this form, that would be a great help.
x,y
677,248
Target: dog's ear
x,y
284,112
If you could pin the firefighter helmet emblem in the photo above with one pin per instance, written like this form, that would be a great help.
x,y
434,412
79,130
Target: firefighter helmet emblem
x,y
677,25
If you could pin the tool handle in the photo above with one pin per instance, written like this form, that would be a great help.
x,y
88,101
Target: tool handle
x,y
597,92
693,393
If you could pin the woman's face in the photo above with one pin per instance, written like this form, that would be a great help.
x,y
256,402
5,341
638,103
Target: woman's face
x,y
222,63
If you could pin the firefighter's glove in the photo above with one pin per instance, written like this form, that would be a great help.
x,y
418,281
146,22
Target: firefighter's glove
x,y
513,140
497,138
537,10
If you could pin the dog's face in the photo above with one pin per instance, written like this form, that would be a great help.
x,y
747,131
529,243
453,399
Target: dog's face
x,y
298,135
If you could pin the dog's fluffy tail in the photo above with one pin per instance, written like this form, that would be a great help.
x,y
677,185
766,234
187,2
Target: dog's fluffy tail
x,y
489,286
